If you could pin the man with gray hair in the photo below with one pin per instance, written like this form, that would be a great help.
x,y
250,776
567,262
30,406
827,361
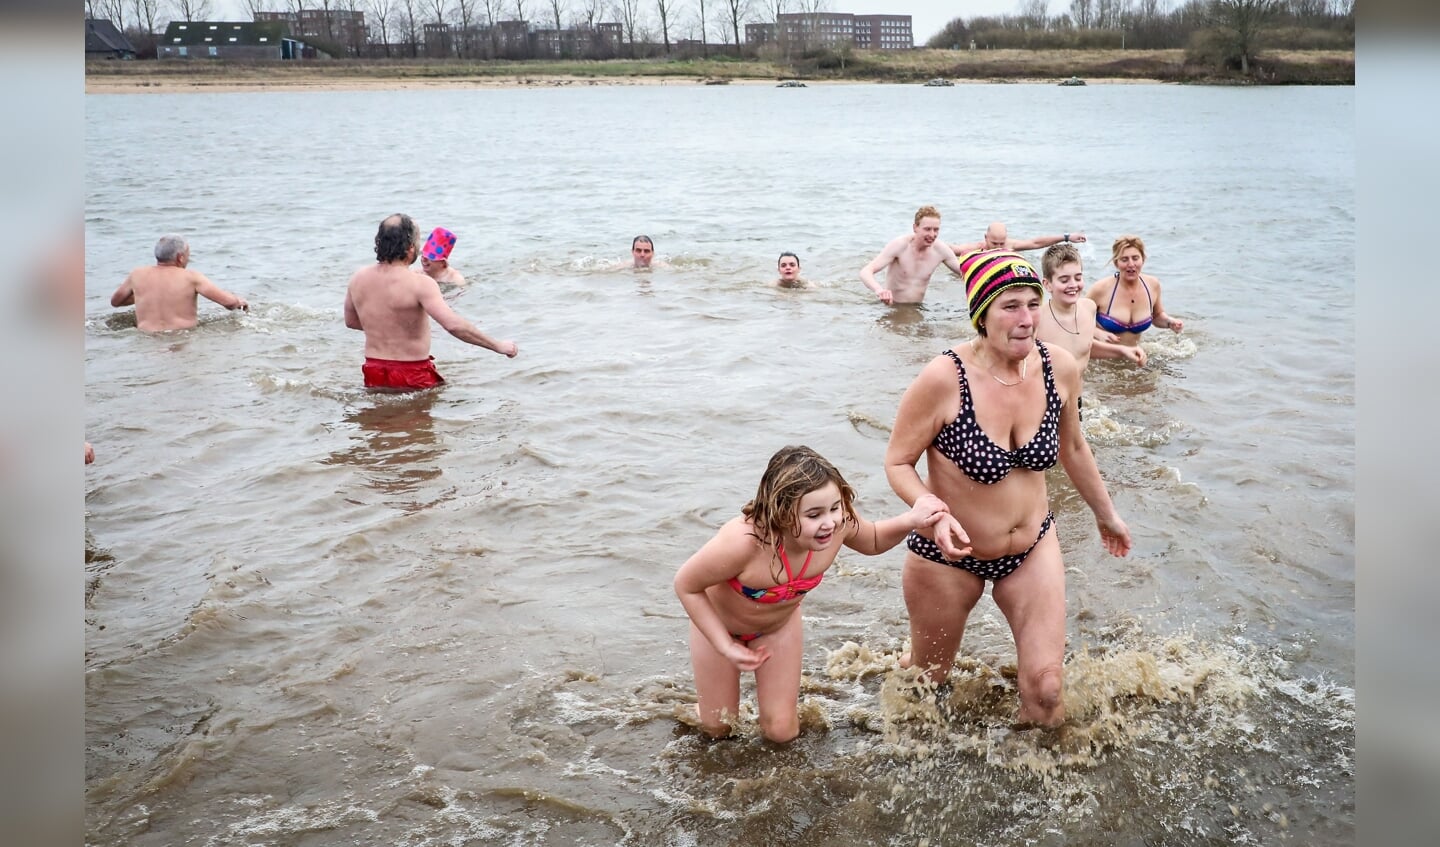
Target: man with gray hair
x,y
164,294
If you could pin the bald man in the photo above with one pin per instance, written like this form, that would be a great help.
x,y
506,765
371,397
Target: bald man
x,y
998,238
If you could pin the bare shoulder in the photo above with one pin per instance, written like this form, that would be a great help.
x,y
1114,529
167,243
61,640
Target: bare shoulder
x,y
736,540
938,373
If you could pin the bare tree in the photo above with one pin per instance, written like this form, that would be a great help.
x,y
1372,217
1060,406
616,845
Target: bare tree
x,y
147,14
1033,14
629,13
1149,11
114,10
557,9
738,9
439,7
772,10
410,25
381,14
1082,12
492,26
1241,21
665,8
253,6
465,14
358,36
191,10
704,51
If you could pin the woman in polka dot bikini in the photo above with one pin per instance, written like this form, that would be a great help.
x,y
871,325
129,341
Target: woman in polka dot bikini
x,y
988,433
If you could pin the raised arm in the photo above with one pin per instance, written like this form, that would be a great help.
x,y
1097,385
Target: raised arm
x,y
125,294
1158,315
210,291
1040,242
720,560
436,307
1079,462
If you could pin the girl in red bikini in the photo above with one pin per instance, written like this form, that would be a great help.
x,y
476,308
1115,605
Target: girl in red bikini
x,y
742,590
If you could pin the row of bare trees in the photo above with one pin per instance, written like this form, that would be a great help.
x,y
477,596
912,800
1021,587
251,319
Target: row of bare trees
x,y
401,24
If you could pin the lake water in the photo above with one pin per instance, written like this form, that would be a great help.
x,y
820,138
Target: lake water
x,y
316,616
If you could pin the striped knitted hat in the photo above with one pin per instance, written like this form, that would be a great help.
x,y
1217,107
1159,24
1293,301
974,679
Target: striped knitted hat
x,y
989,272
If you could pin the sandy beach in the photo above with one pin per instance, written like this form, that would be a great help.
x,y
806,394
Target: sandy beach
x,y
1104,67
169,84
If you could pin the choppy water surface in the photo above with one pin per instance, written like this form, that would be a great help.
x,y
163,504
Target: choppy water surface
x,y
315,616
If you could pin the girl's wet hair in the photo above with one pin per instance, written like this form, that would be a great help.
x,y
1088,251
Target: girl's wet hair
x,y
793,472
791,255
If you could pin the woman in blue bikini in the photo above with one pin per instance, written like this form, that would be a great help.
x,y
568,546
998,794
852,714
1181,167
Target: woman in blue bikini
x,y
988,434
743,593
1128,303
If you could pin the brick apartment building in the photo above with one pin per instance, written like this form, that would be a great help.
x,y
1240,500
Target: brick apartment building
x,y
336,27
804,30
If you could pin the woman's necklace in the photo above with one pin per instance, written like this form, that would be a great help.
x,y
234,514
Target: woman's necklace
x,y
1075,331
1024,366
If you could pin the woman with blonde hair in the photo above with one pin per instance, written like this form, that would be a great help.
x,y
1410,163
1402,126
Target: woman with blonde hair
x,y
1138,295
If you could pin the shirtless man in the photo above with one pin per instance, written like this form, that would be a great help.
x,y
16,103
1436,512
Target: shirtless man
x,y
1068,319
997,238
789,269
164,294
435,258
389,301
909,260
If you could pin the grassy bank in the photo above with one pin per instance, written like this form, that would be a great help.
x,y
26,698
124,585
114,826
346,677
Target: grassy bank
x,y
1318,67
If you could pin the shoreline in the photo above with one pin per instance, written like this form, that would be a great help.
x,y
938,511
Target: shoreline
x,y
186,84
1095,67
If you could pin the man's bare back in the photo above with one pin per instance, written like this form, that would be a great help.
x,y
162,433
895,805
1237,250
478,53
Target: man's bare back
x,y
164,294
909,261
392,303
388,301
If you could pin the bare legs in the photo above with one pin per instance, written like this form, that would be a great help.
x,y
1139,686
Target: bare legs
x,y
1032,598
777,683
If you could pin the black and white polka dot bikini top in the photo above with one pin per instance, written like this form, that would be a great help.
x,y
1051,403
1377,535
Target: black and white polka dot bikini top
x,y
963,442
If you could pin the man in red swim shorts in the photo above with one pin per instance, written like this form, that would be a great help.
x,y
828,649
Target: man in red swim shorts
x,y
392,304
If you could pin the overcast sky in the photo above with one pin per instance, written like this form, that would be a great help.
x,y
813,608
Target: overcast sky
x,y
929,15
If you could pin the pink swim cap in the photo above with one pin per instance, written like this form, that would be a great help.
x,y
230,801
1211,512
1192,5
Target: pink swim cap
x,y
439,244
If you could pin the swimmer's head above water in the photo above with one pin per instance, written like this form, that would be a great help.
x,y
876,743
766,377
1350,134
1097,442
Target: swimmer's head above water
x,y
642,249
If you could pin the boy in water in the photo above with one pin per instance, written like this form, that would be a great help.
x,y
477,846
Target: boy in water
x,y
435,258
789,269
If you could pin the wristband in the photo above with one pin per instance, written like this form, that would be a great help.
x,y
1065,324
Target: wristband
x,y
1067,238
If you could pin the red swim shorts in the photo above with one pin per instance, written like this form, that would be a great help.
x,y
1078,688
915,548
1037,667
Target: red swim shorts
x,y
401,376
